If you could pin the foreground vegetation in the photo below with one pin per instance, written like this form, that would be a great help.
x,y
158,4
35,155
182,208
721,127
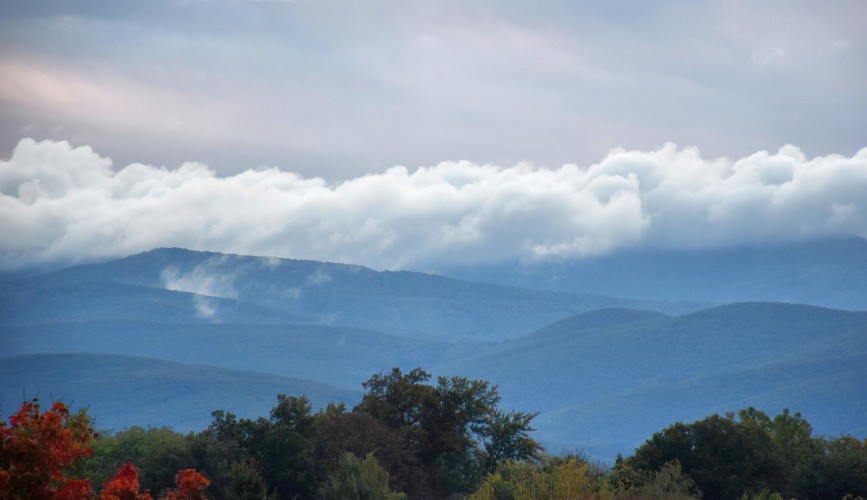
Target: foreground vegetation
x,y
410,438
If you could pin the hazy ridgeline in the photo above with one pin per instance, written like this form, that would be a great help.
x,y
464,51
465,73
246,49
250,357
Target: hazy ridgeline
x,y
604,373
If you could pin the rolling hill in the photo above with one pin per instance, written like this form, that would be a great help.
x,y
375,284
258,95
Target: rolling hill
x,y
632,372
120,391
828,272
603,372
340,356
175,285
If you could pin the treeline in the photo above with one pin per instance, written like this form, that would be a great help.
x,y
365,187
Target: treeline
x,y
412,438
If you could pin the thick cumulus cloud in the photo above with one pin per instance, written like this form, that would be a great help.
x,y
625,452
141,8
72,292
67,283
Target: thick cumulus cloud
x,y
60,203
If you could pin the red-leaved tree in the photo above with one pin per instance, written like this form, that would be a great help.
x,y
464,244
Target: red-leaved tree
x,y
191,486
124,486
38,450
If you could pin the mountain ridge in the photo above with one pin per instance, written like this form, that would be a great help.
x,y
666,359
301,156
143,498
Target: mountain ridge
x,y
557,353
827,272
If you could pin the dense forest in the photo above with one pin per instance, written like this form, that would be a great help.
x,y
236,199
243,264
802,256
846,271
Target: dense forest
x,y
411,437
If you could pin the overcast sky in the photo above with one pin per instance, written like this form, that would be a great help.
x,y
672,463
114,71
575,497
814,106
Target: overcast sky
x,y
238,110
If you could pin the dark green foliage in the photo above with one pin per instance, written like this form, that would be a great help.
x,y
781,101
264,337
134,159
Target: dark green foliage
x,y
158,452
754,456
357,479
283,444
506,438
453,429
450,439
668,483
838,468
722,457
428,441
246,482
341,432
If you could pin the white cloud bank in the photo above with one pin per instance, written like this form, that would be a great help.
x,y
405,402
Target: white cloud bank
x,y
62,203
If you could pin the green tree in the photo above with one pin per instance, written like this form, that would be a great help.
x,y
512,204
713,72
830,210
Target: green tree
x,y
246,482
283,445
454,428
724,458
357,479
553,478
668,483
159,453
339,432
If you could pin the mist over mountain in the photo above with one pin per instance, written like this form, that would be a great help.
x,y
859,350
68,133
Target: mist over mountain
x,y
623,215
201,287
603,372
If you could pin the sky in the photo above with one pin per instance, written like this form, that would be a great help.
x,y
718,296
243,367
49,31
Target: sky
x,y
414,134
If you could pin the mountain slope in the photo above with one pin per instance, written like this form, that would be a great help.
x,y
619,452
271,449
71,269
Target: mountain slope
x,y
598,361
120,391
828,392
229,288
340,356
590,369
826,272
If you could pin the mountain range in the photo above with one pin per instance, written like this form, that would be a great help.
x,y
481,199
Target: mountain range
x,y
167,336
828,272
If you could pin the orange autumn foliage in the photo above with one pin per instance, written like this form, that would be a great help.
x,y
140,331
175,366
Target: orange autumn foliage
x,y
38,449
124,486
191,486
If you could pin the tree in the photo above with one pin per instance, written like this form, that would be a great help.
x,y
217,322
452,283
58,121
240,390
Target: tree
x,y
124,486
40,450
506,438
158,452
724,458
42,453
283,445
453,428
668,483
339,432
357,479
554,478
191,486
247,482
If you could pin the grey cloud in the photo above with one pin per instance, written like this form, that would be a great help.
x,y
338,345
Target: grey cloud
x,y
61,203
335,89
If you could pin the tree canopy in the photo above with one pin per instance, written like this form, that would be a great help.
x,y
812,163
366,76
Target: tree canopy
x,y
411,438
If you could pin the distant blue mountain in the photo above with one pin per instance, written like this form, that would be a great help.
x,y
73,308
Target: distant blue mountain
x,y
605,380
604,372
341,356
120,391
828,272
175,285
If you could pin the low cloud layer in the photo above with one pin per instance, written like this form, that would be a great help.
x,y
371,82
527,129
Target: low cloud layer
x,y
60,203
